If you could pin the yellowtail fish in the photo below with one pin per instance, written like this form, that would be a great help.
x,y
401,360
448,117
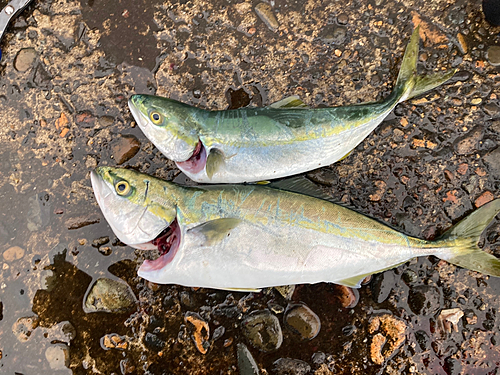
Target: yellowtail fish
x,y
286,138
247,237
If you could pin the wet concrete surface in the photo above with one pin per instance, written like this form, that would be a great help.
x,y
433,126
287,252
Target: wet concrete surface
x,y
67,70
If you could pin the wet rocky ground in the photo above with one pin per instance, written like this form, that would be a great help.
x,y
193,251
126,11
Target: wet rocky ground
x,y
70,299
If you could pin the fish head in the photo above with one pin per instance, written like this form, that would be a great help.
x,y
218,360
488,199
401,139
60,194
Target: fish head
x,y
169,124
126,200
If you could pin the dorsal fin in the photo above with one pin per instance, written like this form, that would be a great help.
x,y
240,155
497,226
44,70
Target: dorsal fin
x,y
290,102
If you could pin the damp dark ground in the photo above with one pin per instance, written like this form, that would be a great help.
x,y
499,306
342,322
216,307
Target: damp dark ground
x,y
70,299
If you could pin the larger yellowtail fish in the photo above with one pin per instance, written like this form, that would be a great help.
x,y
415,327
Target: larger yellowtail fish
x,y
248,237
286,138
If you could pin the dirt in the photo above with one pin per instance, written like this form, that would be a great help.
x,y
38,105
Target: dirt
x,y
67,71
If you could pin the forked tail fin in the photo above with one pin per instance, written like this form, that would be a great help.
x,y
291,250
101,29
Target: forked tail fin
x,y
462,240
408,84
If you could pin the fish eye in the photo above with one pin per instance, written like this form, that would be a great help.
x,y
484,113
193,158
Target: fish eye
x,y
155,117
122,188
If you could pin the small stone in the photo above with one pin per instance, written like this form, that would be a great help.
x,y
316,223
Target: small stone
x,y
424,300
263,330
449,319
265,12
85,119
23,327
303,321
491,109
109,296
286,290
491,160
62,121
105,250
25,59
468,144
463,168
462,43
342,19
106,121
377,195
289,366
58,356
476,101
80,222
246,363
348,297
13,253
484,198
494,55
100,241
391,336
114,341
125,148
201,332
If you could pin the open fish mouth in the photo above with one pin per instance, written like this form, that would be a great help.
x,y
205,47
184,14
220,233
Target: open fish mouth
x,y
167,243
197,161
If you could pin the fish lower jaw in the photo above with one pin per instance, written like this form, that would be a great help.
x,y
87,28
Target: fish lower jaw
x,y
196,162
167,243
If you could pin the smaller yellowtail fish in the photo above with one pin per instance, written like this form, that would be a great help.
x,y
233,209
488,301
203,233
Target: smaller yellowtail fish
x,y
247,237
286,138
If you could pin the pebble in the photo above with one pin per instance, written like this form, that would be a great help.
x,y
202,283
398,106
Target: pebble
x,y
483,199
468,144
58,356
62,331
85,119
342,19
377,195
25,59
391,335
425,300
125,148
263,330
289,366
348,297
491,109
106,121
201,332
246,363
303,321
286,290
114,341
265,12
23,327
494,55
13,253
109,296
491,160
80,221
452,366
100,241
423,340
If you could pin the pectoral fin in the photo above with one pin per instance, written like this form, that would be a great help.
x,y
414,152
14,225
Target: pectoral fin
x,y
290,102
216,230
215,160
